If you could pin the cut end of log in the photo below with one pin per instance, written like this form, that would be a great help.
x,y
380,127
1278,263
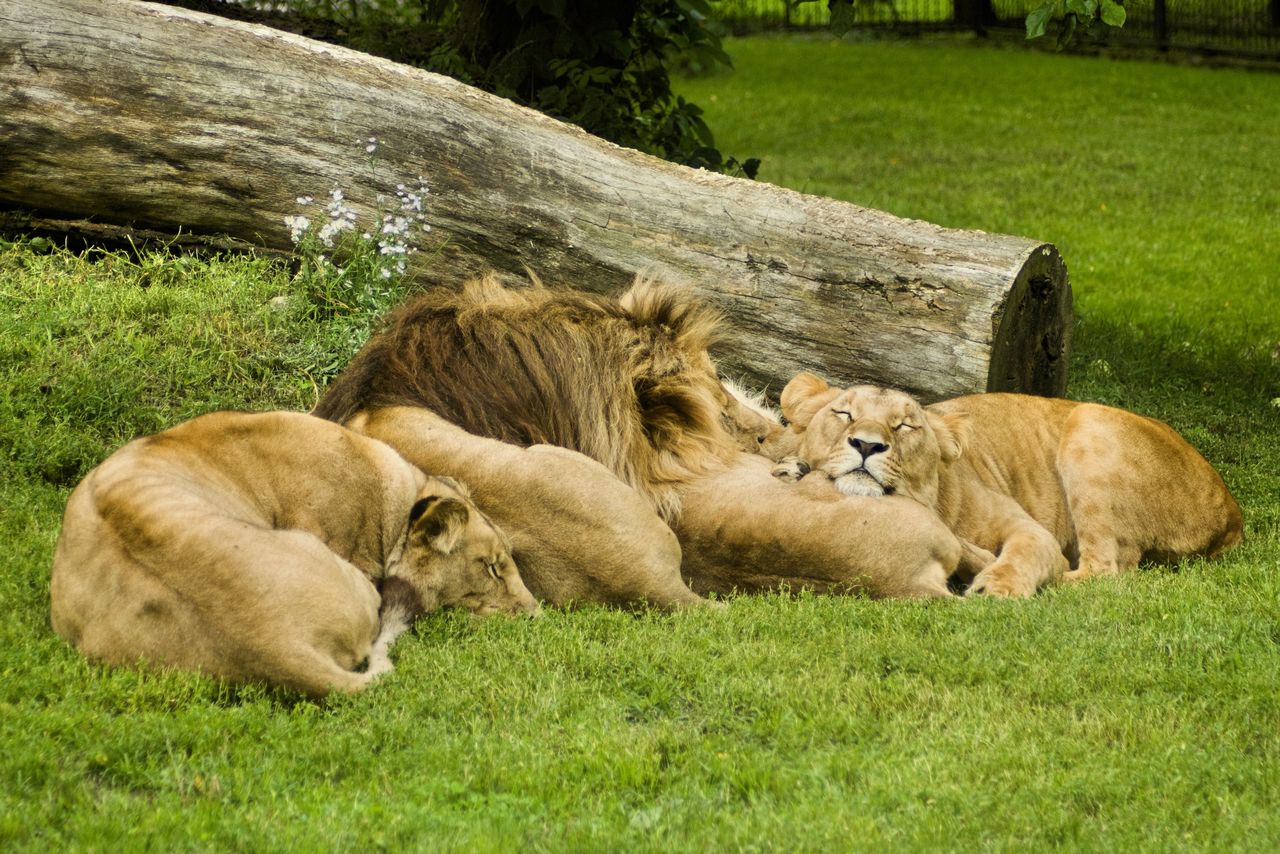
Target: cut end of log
x,y
1031,336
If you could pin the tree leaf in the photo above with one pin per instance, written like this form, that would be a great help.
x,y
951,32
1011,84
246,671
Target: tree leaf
x,y
1038,19
1113,14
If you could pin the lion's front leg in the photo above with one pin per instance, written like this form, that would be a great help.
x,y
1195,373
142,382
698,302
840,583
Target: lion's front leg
x,y
1029,559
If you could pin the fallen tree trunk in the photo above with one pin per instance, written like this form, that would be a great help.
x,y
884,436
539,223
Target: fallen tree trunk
x,y
133,113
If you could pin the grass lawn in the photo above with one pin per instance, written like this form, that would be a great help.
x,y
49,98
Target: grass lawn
x,y
1134,713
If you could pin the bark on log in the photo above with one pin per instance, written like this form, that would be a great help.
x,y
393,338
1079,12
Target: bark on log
x,y
154,116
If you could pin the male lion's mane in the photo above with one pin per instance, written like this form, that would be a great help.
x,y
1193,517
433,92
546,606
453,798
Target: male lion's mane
x,y
626,381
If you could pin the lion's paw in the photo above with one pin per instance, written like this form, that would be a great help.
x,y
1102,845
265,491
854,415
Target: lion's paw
x,y
790,470
1001,579
1089,570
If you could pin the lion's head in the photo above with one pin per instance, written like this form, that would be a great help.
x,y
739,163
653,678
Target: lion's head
x,y
455,557
871,440
754,425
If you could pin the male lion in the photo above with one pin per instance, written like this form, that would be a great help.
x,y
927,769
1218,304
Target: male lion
x,y
248,546
481,384
1036,481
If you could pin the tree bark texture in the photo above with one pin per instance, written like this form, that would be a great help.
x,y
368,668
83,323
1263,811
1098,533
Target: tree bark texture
x,y
138,114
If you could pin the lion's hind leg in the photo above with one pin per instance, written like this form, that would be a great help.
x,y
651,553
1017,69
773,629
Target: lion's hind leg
x,y
276,606
1137,490
313,619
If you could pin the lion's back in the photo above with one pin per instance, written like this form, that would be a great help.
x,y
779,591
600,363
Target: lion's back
x,y
181,546
627,381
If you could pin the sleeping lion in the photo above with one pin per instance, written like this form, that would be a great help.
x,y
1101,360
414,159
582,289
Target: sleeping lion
x,y
253,547
1036,488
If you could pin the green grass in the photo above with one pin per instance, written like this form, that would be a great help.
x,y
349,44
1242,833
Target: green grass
x,y
815,14
1180,14
1140,712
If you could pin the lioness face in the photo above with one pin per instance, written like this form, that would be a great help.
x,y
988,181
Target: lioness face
x,y
455,555
869,440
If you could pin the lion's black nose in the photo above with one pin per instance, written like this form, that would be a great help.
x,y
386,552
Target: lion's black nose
x,y
867,449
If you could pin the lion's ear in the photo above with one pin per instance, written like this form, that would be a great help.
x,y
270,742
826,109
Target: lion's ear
x,y
952,431
803,397
438,523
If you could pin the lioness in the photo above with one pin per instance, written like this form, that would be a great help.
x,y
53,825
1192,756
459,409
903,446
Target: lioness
x,y
1038,482
248,546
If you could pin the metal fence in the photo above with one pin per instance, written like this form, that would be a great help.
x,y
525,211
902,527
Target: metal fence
x,y
1249,28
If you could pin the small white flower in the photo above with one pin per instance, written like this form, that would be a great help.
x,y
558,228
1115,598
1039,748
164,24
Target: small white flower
x,y
298,226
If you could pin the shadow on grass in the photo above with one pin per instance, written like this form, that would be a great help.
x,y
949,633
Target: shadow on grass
x,y
1178,374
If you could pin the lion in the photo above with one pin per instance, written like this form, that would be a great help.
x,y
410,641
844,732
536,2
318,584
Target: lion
x,y
1038,489
252,547
597,432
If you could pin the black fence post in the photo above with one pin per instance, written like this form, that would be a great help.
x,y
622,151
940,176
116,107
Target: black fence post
x,y
977,15
1161,24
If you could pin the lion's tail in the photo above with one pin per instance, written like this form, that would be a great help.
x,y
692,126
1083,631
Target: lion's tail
x,y
400,605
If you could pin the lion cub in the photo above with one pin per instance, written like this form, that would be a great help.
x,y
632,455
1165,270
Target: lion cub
x,y
252,547
1031,482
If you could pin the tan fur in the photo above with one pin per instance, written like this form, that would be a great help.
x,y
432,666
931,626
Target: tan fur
x,y
745,531
578,533
754,425
1036,482
251,547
